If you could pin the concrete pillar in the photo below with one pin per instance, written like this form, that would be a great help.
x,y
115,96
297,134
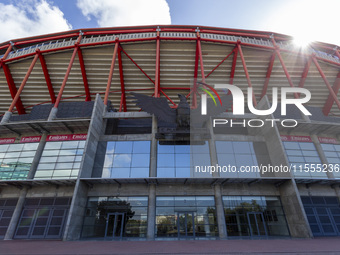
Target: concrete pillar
x,y
77,210
6,117
37,156
76,214
290,196
153,156
212,148
151,212
16,215
222,229
321,153
294,211
53,114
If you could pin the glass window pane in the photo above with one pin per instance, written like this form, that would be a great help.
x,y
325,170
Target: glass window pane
x,y
182,160
166,160
123,147
110,147
122,160
182,172
15,147
141,147
167,149
224,147
241,147
140,160
165,172
53,145
70,145
139,172
120,172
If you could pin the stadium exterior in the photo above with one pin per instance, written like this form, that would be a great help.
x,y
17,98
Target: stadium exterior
x,y
79,159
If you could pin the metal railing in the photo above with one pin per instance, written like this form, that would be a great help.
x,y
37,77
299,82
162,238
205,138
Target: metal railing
x,y
111,37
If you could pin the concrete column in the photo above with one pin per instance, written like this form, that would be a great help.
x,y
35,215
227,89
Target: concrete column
x,y
6,117
16,215
294,211
76,214
212,148
290,196
222,229
153,156
77,210
53,114
151,212
37,156
321,153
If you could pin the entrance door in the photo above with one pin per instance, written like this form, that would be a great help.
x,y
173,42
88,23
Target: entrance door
x,y
114,225
186,224
257,224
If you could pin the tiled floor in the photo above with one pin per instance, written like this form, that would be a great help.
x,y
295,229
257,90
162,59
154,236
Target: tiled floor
x,y
278,246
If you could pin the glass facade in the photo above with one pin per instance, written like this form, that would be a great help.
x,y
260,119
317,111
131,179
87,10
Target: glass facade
x,y
186,217
7,207
16,160
60,160
332,152
124,159
177,159
254,216
301,153
238,154
115,217
323,214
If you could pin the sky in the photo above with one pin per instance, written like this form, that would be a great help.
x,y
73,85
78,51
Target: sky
x,y
305,20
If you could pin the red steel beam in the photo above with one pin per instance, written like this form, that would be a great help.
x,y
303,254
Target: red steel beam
x,y
122,85
220,63
157,72
194,96
13,89
305,73
60,94
47,78
200,57
245,70
83,73
233,66
331,91
6,54
329,102
296,95
168,98
108,86
269,72
28,73
137,66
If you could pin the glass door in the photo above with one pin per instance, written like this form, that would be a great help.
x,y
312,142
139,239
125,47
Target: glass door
x,y
114,225
185,224
257,224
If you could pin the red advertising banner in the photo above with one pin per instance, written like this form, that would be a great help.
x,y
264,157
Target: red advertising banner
x,y
295,138
7,140
328,140
30,139
72,137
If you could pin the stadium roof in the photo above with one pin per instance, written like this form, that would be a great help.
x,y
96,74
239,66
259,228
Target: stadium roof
x,y
161,61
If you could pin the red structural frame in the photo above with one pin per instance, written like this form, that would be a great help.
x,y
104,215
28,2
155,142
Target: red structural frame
x,y
157,88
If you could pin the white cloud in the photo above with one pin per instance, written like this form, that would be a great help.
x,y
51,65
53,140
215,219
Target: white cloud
x,y
29,18
111,13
